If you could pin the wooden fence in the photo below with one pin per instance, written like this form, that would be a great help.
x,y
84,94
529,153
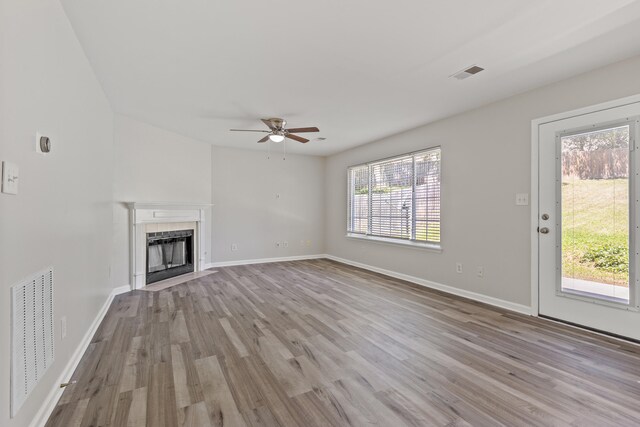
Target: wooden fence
x,y
599,164
392,210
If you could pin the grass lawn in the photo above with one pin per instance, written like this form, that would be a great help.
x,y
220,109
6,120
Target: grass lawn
x,y
595,224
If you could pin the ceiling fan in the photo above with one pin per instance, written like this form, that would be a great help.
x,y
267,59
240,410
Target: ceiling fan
x,y
277,131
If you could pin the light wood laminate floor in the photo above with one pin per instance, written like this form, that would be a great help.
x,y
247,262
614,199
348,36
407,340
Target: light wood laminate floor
x,y
318,343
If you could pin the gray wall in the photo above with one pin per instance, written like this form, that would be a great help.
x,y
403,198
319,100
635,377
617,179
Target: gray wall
x,y
248,212
62,214
485,162
154,165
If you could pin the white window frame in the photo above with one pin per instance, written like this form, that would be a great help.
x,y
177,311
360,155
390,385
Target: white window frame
x,y
419,244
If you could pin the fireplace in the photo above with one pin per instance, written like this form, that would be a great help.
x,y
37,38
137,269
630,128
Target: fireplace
x,y
169,254
148,218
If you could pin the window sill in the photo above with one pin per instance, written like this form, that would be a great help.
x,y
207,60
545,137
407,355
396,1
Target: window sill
x,y
430,247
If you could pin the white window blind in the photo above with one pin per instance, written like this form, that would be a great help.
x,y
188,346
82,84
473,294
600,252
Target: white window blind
x,y
397,198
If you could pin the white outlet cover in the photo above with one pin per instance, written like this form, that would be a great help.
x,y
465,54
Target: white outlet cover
x,y
63,327
10,175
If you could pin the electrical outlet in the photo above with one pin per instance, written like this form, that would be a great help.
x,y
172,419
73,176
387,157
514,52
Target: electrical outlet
x,y
277,244
458,267
63,327
234,246
308,243
480,272
285,244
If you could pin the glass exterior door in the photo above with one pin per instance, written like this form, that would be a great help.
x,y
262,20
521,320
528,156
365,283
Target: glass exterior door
x,y
587,220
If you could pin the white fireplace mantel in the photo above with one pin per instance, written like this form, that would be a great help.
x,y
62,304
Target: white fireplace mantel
x,y
143,213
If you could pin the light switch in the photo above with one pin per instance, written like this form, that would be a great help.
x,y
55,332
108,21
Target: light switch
x,y
522,199
9,178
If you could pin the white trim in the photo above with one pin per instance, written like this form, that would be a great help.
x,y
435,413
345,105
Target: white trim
x,y
431,247
534,199
120,290
46,409
507,305
167,205
590,330
588,110
263,260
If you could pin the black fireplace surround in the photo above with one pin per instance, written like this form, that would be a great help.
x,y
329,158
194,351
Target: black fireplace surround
x,y
169,254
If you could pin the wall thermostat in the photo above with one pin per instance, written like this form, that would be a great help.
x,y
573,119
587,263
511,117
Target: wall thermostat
x,y
43,144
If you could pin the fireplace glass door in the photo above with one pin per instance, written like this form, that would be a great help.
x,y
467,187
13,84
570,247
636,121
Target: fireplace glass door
x,y
169,254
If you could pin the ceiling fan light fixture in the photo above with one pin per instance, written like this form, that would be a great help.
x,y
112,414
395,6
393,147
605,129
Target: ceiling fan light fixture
x,y
277,131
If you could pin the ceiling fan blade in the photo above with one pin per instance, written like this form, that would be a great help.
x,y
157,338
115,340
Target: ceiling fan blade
x,y
265,139
301,130
297,138
268,123
248,130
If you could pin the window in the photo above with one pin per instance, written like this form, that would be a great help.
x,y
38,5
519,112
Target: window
x,y
397,198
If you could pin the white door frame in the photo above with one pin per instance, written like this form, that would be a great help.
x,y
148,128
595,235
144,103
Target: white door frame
x,y
535,144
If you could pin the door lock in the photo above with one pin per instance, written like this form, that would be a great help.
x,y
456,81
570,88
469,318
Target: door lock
x,y
544,230
545,216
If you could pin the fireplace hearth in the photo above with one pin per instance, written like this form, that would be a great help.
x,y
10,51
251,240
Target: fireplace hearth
x,y
169,254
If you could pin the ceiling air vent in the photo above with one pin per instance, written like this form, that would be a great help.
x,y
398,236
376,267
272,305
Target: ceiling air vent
x,y
468,72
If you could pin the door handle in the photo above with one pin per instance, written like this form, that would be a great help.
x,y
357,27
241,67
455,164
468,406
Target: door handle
x,y
543,230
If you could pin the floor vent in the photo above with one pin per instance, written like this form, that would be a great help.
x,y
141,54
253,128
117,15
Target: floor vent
x,y
31,335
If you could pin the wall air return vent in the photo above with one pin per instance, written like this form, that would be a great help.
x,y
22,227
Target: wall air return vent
x,y
467,72
31,334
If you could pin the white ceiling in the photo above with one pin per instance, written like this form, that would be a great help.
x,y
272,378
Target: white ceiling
x,y
360,70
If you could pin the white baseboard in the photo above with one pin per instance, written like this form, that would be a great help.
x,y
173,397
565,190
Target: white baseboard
x,y
46,409
518,308
262,260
